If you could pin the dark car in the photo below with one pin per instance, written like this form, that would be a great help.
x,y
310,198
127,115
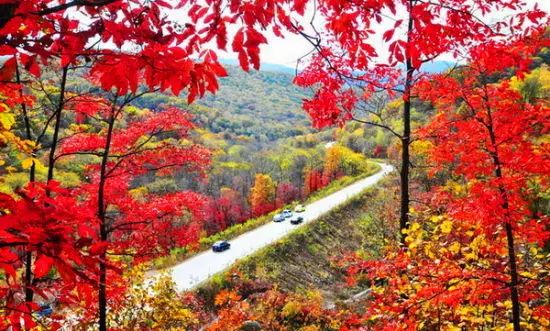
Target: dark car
x,y
297,220
221,246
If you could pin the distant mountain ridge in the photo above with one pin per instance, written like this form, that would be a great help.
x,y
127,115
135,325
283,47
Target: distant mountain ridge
x,y
264,66
263,105
429,67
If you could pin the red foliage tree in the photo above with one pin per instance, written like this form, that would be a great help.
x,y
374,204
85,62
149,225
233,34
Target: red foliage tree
x,y
492,140
231,203
313,181
472,249
140,227
346,69
57,228
286,193
225,210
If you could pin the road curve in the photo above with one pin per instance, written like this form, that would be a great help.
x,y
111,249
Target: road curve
x,y
202,266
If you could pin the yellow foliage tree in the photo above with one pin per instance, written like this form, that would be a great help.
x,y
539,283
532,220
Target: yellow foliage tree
x,y
152,305
262,194
333,160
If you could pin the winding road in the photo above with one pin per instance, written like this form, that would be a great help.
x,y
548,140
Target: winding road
x,y
202,266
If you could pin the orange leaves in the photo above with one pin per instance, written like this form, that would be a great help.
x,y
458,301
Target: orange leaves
x,y
233,311
226,297
262,195
277,310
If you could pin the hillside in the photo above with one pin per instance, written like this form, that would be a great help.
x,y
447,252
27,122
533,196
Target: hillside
x,y
264,105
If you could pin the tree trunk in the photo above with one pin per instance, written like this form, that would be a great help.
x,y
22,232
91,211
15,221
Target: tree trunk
x,y
29,293
514,293
102,291
512,264
57,126
406,138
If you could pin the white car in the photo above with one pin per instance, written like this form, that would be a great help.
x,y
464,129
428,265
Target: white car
x,y
279,218
299,209
287,213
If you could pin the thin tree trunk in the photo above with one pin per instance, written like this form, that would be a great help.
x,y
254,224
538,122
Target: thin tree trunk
x,y
514,293
404,172
57,126
406,138
29,293
26,120
102,295
512,264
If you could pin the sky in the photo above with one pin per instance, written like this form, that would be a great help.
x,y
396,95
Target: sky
x,y
287,51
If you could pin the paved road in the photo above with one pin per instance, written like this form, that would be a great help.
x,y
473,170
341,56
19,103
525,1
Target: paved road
x,y
200,267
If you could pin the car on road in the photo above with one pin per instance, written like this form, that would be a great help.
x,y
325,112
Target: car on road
x,y
287,213
279,218
299,209
220,246
296,220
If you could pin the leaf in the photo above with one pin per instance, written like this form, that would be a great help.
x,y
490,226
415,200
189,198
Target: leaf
x,y
98,248
446,227
7,119
454,248
30,64
27,163
42,265
163,3
388,35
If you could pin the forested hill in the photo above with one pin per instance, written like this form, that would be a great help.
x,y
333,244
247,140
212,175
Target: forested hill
x,y
260,104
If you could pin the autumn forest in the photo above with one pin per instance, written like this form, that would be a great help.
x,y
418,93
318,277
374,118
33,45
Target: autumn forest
x,y
167,165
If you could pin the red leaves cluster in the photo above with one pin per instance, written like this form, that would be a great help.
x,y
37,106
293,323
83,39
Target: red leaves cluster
x,y
286,193
129,47
226,210
152,47
495,128
52,224
131,156
313,181
158,68
346,68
